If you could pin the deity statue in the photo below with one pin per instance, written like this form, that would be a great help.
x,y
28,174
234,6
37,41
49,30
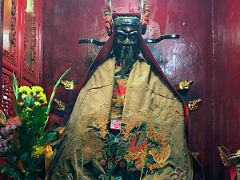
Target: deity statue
x,y
128,121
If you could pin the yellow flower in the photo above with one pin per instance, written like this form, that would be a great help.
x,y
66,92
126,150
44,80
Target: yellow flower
x,y
20,103
37,90
29,109
36,103
43,99
25,90
38,150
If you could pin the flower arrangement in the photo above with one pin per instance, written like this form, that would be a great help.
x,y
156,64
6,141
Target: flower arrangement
x,y
23,145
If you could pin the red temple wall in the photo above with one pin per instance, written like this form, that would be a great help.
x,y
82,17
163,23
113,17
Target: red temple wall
x,y
206,53
226,28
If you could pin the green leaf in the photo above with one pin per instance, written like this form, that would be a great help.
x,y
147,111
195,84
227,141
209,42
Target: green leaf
x,y
51,136
4,118
10,171
15,87
16,93
112,139
55,89
48,137
25,156
28,101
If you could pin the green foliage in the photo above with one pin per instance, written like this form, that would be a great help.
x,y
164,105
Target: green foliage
x,y
47,137
3,117
16,93
15,87
10,171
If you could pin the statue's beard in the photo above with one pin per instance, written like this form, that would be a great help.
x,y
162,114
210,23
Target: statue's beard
x,y
126,56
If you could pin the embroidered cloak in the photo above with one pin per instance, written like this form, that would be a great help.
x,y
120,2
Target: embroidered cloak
x,y
152,140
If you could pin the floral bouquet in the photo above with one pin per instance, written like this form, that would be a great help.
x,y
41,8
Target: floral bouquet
x,y
23,145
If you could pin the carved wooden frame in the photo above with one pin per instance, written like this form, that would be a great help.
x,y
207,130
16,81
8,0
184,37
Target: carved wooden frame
x,y
11,56
31,70
33,74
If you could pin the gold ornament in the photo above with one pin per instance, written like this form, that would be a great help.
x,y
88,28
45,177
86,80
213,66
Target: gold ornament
x,y
184,85
194,104
60,105
68,85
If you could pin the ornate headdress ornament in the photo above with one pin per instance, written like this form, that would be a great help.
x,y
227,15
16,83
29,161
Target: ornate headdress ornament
x,y
125,19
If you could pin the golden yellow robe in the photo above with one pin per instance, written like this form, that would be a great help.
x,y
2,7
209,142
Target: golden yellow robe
x,y
149,101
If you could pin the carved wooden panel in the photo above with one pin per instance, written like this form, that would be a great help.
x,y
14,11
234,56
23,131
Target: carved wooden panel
x,y
7,95
30,38
10,34
22,46
32,25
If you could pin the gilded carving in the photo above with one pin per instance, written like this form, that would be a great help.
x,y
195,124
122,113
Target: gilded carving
x,y
68,85
60,105
194,104
184,85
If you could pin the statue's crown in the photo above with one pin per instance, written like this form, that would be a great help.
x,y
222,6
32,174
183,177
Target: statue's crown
x,y
124,19
138,20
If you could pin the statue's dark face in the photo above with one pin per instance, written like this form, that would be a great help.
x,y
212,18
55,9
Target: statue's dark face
x,y
126,35
126,45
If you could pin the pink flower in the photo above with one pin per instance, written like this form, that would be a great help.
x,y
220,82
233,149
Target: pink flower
x,y
102,162
122,164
